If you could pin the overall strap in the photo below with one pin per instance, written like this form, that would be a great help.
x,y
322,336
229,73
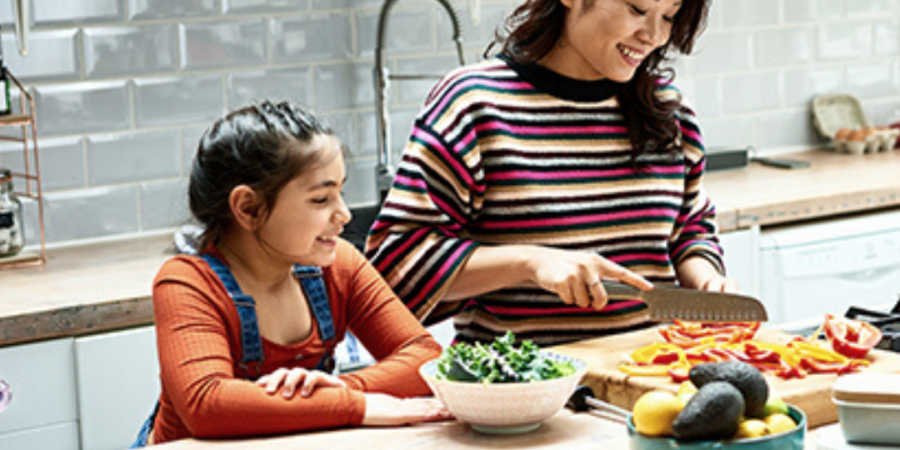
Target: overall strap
x,y
314,288
251,341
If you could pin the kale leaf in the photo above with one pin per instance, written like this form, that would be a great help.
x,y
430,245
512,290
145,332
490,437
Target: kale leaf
x,y
499,362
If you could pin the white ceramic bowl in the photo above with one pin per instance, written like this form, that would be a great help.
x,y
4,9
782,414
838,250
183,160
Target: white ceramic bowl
x,y
505,408
869,407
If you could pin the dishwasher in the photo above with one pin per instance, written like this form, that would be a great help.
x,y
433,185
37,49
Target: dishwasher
x,y
809,270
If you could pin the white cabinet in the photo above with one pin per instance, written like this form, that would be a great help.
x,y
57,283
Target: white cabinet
x,y
43,413
118,385
741,249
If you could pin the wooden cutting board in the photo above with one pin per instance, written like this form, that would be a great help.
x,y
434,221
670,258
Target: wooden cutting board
x,y
603,355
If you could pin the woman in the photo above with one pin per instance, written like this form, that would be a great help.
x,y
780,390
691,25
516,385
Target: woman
x,y
566,159
246,330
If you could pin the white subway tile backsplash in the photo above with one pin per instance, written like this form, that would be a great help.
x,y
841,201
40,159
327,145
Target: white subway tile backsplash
x,y
410,31
310,38
53,56
62,163
207,45
703,95
784,47
344,4
721,52
844,40
475,36
293,85
857,8
91,213
887,38
264,6
343,86
360,186
727,132
798,11
172,9
190,140
828,9
133,50
178,100
74,12
872,81
753,92
802,85
126,157
85,107
787,129
164,204
742,13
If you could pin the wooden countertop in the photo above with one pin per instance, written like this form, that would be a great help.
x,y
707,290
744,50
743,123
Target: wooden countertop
x,y
564,431
835,183
82,290
99,287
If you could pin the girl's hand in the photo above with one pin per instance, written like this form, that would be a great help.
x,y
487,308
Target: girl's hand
x,y
575,276
386,410
698,273
308,380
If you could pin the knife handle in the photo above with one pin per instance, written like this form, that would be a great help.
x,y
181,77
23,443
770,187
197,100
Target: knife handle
x,y
621,291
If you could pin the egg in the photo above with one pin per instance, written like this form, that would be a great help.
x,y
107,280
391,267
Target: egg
x,y
842,134
858,135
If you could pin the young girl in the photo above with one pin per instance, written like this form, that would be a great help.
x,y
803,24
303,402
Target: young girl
x,y
254,318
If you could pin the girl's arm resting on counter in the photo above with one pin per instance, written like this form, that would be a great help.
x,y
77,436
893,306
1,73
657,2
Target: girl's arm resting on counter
x,y
197,374
388,330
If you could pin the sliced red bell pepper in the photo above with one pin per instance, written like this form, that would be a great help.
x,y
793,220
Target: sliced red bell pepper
x,y
851,338
679,374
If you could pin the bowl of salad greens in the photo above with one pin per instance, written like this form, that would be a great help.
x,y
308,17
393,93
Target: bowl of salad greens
x,y
502,387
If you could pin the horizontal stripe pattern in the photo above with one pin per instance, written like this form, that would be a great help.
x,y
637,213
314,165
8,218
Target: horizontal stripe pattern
x,y
493,160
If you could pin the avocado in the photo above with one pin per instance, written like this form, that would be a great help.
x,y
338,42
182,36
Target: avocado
x,y
714,412
746,378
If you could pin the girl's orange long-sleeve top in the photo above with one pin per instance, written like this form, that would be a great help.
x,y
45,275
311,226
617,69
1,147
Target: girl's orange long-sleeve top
x,y
206,394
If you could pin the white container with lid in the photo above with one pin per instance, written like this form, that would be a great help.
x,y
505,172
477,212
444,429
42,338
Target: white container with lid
x,y
869,407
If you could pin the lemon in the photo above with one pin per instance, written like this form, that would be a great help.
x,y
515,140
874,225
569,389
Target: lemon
x,y
774,405
751,428
654,413
779,423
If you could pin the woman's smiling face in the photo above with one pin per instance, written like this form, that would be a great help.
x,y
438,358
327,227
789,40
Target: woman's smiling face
x,y
610,38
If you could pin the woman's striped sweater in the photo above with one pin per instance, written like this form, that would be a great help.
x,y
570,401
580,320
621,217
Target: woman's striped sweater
x,y
504,153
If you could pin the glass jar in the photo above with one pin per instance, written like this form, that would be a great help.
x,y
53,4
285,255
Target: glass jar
x,y
12,236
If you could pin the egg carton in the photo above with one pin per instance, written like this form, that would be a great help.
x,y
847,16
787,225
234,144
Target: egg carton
x,y
840,117
871,141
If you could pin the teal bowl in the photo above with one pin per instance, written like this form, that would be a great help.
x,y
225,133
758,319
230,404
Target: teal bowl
x,y
789,440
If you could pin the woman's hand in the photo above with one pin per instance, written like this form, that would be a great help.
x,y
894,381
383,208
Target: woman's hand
x,y
386,410
308,380
698,273
575,276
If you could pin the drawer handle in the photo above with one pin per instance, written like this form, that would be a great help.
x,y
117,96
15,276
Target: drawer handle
x,y
5,395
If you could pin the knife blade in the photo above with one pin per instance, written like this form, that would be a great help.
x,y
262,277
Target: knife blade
x,y
668,303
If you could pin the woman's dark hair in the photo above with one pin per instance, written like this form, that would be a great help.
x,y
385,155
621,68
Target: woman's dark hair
x,y
263,146
532,30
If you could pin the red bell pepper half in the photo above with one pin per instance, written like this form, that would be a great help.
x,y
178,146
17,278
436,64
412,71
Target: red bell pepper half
x,y
851,338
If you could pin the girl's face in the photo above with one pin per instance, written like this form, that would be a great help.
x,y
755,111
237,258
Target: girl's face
x,y
610,38
309,212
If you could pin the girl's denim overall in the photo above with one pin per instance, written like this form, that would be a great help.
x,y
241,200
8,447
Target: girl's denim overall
x,y
251,343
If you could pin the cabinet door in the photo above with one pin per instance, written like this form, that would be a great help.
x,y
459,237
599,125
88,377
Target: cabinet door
x,y
741,249
61,436
42,379
118,384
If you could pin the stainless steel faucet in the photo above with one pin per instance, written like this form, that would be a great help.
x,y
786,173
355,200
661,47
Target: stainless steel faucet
x,y
384,172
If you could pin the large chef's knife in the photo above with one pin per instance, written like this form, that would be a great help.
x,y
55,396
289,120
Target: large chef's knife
x,y
668,303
